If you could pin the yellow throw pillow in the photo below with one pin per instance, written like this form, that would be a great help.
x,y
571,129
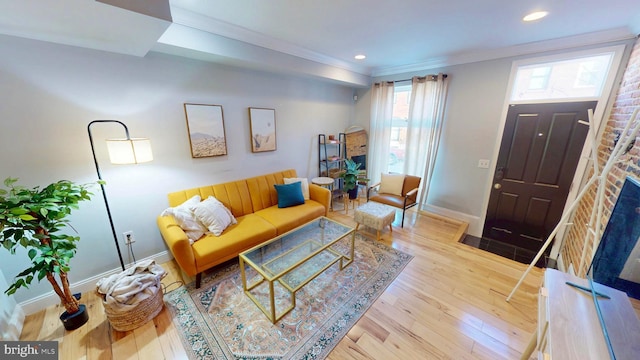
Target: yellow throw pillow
x,y
391,184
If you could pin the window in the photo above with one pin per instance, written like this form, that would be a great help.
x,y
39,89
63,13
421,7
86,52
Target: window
x,y
400,117
539,78
590,73
579,77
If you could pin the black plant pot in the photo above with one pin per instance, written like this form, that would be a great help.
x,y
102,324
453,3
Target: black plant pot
x,y
353,193
75,320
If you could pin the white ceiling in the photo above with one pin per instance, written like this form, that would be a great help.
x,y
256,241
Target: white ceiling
x,y
320,38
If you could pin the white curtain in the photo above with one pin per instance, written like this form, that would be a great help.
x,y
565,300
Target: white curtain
x,y
380,129
426,115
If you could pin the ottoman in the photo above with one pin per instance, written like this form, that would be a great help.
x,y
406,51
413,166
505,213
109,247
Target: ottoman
x,y
375,215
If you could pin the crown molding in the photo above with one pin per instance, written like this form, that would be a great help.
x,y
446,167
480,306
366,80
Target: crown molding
x,y
217,27
189,42
618,34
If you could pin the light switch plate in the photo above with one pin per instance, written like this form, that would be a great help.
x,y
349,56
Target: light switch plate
x,y
483,163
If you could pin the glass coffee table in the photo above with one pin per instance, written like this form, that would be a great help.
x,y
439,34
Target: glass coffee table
x,y
293,259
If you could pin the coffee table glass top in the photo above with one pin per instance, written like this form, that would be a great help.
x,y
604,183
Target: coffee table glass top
x,y
295,258
284,252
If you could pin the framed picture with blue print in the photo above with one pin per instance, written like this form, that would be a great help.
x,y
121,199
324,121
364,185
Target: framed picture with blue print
x,y
263,129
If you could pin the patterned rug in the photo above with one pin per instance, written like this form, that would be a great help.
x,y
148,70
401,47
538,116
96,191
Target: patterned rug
x,y
218,321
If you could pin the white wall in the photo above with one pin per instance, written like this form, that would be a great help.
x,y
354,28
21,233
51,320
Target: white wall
x,y
51,92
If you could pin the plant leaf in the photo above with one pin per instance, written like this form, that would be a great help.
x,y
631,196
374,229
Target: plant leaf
x,y
18,211
9,181
27,217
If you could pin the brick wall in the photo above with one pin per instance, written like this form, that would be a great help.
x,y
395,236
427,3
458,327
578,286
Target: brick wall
x,y
626,101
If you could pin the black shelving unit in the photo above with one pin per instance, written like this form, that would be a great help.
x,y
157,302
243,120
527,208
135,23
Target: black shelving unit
x,y
331,156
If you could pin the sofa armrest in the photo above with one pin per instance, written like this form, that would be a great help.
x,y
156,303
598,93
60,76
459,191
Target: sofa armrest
x,y
410,197
321,195
178,243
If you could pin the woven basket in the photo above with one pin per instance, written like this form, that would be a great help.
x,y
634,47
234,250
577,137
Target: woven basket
x,y
145,311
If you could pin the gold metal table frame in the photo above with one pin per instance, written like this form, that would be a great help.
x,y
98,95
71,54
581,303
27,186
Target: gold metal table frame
x,y
308,246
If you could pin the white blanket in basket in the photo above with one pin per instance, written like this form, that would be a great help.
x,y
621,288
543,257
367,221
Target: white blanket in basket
x,y
125,290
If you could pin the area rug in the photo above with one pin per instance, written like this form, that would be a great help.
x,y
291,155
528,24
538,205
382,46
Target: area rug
x,y
218,321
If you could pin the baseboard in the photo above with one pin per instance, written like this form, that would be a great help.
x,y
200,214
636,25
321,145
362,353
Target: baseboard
x,y
14,327
43,301
475,228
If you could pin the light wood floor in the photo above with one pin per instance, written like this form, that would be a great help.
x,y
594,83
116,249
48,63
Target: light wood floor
x,y
448,303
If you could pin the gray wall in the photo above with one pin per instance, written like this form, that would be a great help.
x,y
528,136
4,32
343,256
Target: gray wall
x,y
51,92
474,106
473,116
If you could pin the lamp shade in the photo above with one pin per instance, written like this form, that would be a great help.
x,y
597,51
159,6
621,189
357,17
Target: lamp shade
x,y
129,151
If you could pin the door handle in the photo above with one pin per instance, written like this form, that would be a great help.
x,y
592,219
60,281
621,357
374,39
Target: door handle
x,y
497,186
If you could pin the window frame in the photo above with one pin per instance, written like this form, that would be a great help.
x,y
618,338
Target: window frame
x,y
617,52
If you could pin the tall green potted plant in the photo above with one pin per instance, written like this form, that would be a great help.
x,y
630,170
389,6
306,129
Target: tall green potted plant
x,y
351,176
34,219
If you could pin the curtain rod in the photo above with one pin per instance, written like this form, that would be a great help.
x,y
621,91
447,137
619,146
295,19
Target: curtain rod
x,y
433,77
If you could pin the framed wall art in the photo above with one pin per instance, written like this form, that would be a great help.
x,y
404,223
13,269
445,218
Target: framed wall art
x,y
205,127
263,129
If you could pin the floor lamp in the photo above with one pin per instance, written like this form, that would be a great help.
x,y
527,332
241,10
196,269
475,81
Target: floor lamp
x,y
121,151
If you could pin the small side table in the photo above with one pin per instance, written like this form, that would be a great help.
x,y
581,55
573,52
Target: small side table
x,y
349,202
326,182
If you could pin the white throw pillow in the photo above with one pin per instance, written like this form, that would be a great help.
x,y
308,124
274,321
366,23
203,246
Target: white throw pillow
x,y
391,184
186,219
304,183
214,215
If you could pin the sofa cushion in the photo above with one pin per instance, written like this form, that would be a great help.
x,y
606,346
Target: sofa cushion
x,y
289,194
304,183
285,219
213,214
249,231
186,219
389,199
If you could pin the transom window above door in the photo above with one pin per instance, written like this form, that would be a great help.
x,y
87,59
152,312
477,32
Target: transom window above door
x,y
575,78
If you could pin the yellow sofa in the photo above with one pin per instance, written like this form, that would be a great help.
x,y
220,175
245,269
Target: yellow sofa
x,y
254,204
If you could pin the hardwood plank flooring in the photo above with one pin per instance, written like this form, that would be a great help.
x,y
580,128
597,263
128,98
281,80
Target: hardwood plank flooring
x,y
448,303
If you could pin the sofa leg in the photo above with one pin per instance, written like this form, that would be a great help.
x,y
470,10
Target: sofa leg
x,y
402,224
198,279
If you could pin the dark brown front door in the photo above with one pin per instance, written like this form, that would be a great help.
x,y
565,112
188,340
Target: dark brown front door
x,y
539,153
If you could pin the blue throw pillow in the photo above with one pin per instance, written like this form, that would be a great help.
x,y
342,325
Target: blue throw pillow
x,y
289,194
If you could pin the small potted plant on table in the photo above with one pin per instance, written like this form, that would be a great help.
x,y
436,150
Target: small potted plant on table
x,y
351,176
33,219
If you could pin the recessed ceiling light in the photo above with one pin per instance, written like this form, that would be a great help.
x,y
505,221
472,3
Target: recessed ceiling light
x,y
360,57
535,16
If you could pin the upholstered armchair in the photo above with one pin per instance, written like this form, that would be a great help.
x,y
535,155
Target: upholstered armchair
x,y
397,190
